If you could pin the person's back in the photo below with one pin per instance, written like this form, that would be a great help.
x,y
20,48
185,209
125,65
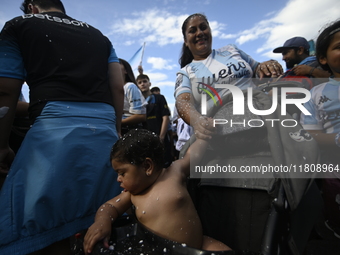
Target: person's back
x,y
55,50
76,92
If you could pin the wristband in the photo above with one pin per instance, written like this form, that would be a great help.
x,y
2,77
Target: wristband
x,y
337,137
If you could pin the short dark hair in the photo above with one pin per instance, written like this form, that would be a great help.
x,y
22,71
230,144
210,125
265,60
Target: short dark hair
x,y
155,89
45,4
137,145
186,55
142,76
324,40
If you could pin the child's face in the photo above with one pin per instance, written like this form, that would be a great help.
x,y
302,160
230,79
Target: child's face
x,y
144,84
131,178
333,55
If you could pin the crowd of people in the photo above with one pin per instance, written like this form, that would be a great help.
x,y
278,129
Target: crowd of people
x,y
99,141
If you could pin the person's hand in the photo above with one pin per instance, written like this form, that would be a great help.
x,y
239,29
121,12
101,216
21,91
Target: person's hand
x,y
302,70
6,159
140,69
270,68
204,128
99,230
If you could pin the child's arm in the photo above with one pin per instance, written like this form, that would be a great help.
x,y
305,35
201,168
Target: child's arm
x,y
106,214
193,156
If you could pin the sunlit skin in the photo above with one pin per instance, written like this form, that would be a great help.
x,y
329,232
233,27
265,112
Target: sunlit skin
x,y
156,207
198,38
333,55
161,199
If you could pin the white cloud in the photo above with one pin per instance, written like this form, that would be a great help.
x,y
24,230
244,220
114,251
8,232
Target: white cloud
x,y
165,84
159,79
157,26
160,63
130,42
297,18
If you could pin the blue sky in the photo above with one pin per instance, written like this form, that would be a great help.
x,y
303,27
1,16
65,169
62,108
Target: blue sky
x,y
256,27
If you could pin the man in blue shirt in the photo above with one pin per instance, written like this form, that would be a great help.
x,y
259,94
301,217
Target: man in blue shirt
x,y
300,65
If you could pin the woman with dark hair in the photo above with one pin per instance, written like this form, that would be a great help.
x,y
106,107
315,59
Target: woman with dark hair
x,y
200,63
134,111
221,206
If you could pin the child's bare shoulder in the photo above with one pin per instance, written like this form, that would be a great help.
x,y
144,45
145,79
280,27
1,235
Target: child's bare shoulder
x,y
176,169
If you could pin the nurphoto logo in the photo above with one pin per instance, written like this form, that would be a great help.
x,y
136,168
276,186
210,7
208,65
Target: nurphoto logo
x,y
238,99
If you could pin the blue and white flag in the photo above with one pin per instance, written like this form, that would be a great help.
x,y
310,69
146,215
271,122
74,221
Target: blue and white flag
x,y
137,58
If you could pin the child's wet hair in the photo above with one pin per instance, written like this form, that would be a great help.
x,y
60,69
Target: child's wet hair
x,y
324,40
137,145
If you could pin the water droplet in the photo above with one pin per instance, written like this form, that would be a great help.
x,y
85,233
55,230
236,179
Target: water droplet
x,y
118,200
143,212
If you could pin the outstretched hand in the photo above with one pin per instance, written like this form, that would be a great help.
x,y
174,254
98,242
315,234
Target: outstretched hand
x,y
140,69
97,232
270,68
204,128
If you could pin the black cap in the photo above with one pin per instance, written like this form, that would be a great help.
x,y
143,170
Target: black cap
x,y
294,42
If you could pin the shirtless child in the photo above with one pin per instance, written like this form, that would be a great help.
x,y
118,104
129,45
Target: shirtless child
x,y
163,204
